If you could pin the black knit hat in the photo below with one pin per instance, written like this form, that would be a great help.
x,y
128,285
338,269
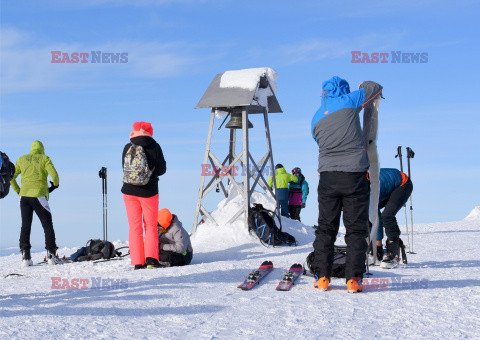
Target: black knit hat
x,y
278,166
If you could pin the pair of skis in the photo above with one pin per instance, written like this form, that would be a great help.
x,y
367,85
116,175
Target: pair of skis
x,y
265,268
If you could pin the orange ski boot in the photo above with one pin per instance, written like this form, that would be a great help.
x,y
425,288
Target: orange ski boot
x,y
322,283
354,285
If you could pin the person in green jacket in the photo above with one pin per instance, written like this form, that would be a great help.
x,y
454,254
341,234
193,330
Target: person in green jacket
x,y
34,169
282,179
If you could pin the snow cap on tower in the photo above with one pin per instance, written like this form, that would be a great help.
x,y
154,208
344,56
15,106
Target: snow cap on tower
x,y
254,87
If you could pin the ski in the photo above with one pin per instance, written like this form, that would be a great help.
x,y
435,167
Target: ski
x,y
255,276
63,260
289,277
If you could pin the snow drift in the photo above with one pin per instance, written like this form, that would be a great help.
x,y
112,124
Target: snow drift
x,y
210,237
474,214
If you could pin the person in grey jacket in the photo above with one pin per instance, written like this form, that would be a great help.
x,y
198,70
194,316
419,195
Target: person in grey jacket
x,y
344,183
175,248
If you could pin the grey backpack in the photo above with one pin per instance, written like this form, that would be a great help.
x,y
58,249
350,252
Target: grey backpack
x,y
135,166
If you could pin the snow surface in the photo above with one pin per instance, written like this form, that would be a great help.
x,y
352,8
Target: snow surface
x,y
202,301
248,78
474,214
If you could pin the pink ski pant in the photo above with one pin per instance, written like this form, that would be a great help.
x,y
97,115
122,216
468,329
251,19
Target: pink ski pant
x,y
136,207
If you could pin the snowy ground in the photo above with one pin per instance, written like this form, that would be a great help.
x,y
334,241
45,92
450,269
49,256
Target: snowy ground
x,y
202,301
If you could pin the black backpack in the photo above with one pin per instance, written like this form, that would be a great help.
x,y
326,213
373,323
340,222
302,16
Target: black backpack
x,y
96,250
262,224
7,170
339,261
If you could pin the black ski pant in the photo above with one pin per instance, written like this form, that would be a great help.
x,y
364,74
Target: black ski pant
x,y
392,205
40,205
294,211
349,191
175,259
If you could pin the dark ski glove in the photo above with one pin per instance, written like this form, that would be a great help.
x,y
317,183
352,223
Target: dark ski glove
x,y
52,187
303,205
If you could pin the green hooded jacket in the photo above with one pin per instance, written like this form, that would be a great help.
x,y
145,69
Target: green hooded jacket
x,y
282,178
34,168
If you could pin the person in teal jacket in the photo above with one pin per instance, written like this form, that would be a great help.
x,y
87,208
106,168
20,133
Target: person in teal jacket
x,y
298,193
395,189
282,178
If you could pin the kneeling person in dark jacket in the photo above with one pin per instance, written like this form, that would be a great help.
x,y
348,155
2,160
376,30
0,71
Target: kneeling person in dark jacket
x,y
175,248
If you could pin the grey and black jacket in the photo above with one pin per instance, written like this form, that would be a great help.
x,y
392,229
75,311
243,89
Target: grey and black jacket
x,y
336,126
176,238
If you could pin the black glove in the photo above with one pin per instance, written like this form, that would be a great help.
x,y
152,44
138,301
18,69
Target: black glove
x,y
52,187
303,205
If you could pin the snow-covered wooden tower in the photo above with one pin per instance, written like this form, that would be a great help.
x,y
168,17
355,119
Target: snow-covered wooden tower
x,y
238,94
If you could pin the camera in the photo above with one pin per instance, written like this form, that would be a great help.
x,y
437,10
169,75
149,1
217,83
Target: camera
x,y
103,173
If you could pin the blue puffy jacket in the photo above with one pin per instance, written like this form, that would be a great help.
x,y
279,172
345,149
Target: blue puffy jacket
x,y
390,179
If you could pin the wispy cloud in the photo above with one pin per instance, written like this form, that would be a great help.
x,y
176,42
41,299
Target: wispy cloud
x,y
320,49
69,4
26,63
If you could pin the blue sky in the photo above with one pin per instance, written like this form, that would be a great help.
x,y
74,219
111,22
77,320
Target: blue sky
x,y
83,112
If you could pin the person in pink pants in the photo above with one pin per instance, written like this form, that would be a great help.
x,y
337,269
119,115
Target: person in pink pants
x,y
143,163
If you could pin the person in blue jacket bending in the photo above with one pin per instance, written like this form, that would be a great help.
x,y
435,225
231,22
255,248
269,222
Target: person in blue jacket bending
x,y
297,196
395,189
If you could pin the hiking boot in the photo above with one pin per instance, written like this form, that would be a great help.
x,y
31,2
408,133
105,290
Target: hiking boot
x,y
321,283
52,258
153,263
139,266
389,262
26,258
354,285
379,253
392,258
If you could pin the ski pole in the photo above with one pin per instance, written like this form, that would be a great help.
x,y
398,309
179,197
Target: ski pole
x,y
103,208
103,175
370,246
106,207
399,155
410,154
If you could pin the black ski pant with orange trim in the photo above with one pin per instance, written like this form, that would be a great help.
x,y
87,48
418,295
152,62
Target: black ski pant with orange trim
x,y
349,191
392,205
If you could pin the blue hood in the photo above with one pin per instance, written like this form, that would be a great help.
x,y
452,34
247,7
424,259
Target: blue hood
x,y
335,87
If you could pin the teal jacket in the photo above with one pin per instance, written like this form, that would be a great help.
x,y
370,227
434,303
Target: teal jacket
x,y
298,191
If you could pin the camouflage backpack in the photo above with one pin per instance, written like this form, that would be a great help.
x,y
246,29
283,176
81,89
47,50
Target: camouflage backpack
x,y
135,166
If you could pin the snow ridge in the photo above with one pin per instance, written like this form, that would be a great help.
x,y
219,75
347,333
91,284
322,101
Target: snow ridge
x,y
474,214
